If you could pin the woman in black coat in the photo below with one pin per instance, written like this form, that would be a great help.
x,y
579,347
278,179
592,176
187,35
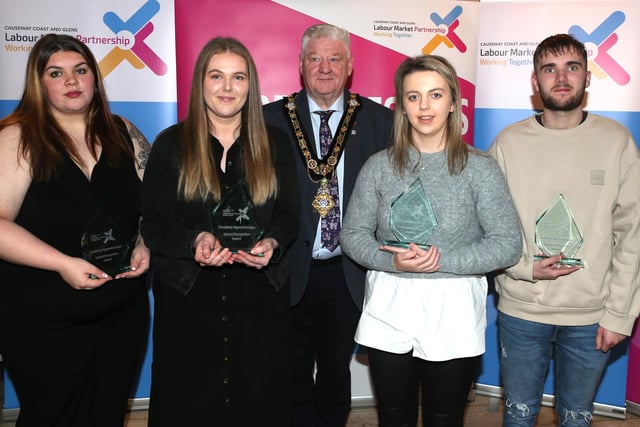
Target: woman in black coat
x,y
221,306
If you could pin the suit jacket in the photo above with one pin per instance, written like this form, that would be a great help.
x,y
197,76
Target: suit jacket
x,y
371,132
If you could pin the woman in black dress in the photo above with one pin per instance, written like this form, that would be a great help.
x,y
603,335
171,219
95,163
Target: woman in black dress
x,y
71,335
221,312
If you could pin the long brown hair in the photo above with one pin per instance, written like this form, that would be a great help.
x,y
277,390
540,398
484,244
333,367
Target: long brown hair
x,y
41,134
198,179
457,149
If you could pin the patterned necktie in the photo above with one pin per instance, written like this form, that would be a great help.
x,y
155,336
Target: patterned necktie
x,y
330,224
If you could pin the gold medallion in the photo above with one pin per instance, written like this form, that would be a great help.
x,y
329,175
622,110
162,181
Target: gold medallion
x,y
323,201
325,168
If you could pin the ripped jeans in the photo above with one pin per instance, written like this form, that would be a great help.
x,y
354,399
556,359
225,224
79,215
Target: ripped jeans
x,y
526,348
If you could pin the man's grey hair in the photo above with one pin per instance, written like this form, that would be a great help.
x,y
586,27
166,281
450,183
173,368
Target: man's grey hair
x,y
326,31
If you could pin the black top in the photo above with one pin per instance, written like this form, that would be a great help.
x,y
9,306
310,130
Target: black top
x,y
170,225
57,212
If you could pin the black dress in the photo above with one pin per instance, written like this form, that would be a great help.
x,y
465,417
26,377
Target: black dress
x,y
73,355
220,355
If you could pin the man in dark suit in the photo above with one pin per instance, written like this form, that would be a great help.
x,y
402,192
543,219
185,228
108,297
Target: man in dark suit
x,y
327,288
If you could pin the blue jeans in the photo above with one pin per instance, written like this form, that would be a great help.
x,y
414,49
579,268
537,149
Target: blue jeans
x,y
526,348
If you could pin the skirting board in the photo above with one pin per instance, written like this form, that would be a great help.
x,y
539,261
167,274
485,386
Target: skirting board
x,y
497,392
141,404
633,407
138,404
549,400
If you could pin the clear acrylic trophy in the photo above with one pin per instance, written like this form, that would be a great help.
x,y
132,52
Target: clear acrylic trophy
x,y
411,218
235,223
557,233
105,245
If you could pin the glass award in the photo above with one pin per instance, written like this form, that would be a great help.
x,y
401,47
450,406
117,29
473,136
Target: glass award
x,y
411,218
235,223
106,246
557,233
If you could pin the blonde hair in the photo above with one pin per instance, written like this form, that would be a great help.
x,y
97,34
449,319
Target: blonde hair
x,y
457,149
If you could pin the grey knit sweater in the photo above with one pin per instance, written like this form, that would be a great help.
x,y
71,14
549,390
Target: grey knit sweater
x,y
478,228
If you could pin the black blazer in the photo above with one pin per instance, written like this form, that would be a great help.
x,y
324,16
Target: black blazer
x,y
371,132
169,226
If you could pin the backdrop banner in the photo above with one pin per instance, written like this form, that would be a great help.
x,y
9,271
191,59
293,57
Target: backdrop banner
x,y
381,38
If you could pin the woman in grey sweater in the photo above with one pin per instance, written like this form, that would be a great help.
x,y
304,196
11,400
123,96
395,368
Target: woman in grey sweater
x,y
424,314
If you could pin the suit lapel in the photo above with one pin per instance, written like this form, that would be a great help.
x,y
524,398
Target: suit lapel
x,y
304,117
351,159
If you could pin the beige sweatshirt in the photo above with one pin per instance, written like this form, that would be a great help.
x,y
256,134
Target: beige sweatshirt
x,y
596,167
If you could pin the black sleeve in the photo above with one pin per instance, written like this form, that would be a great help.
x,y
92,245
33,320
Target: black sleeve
x,y
284,222
163,226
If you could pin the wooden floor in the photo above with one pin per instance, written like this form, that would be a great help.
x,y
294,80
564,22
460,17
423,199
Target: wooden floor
x,y
478,415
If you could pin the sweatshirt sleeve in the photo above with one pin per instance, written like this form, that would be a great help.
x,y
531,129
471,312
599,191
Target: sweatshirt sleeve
x,y
623,304
500,245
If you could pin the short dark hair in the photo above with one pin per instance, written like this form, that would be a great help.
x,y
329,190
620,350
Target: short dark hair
x,y
557,45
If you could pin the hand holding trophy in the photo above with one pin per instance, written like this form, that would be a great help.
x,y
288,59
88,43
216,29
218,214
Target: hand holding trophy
x,y
106,246
557,233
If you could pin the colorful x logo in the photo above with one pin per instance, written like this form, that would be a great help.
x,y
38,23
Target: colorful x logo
x,y
603,38
449,24
140,54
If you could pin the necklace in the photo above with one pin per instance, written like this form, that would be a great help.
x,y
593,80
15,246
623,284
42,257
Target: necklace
x,y
321,170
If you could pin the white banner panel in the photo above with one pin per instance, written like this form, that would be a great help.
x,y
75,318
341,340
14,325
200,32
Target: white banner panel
x,y
512,30
132,40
